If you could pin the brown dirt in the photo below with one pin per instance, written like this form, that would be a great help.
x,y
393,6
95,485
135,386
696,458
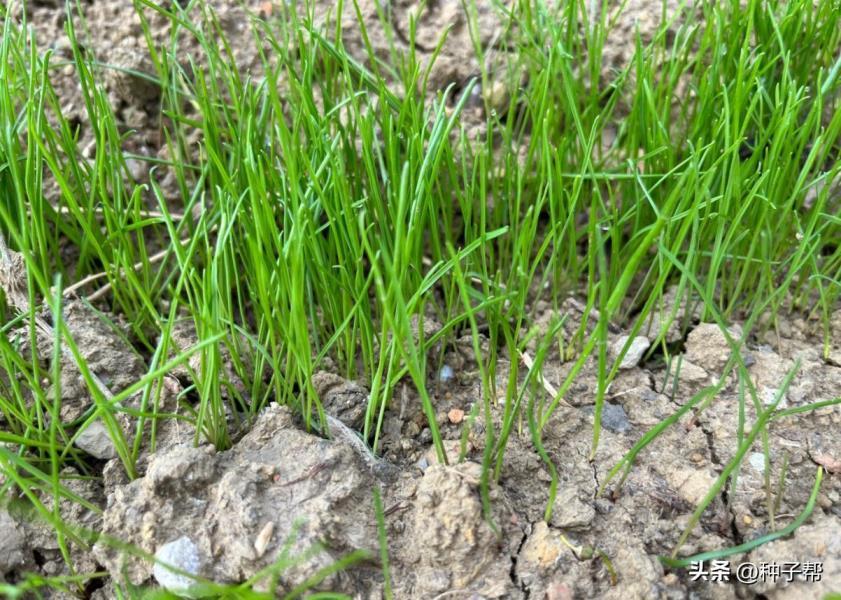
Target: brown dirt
x,y
238,508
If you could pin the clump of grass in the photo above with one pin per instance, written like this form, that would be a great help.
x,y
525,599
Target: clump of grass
x,y
333,202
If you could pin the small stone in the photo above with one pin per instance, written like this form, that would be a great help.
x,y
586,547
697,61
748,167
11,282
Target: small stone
x,y
559,591
136,168
757,461
543,475
52,567
697,457
63,47
692,373
614,417
95,441
497,96
182,554
768,396
747,520
446,374
636,350
456,416
264,538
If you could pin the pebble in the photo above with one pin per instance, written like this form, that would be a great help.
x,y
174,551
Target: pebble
x,y
263,539
456,416
769,395
757,461
446,374
95,441
497,96
636,350
182,554
136,169
425,435
614,417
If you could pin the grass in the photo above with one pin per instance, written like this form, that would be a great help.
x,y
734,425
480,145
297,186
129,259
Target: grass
x,y
330,208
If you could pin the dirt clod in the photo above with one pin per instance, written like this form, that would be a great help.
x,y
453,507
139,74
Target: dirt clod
x,y
707,346
453,547
131,75
315,491
343,399
570,511
816,543
13,548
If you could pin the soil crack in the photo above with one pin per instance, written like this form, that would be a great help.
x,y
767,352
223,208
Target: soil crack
x,y
512,573
728,514
596,484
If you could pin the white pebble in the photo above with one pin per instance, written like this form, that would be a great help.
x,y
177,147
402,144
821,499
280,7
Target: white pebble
x,y
182,554
263,539
757,461
636,350
446,374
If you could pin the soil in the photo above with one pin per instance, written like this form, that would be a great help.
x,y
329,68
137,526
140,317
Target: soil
x,y
281,492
